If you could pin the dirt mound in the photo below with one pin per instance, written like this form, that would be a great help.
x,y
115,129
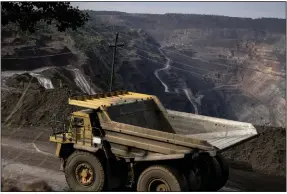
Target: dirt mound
x,y
35,107
8,185
266,153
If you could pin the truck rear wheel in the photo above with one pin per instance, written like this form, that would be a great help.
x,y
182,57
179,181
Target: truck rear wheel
x,y
84,172
224,166
161,178
209,173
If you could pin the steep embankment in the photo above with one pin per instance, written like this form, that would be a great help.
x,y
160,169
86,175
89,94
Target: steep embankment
x,y
31,106
236,65
223,70
246,72
47,56
87,54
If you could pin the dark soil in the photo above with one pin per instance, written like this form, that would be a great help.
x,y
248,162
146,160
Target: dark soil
x,y
35,107
266,153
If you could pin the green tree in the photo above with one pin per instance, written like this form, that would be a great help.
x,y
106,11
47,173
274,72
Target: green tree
x,y
27,14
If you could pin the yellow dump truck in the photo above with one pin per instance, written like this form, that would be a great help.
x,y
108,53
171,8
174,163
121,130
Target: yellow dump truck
x,y
125,139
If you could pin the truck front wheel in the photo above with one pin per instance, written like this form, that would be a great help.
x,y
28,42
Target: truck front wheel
x,y
161,178
84,172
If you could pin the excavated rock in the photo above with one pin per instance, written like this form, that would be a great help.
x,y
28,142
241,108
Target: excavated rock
x,y
265,153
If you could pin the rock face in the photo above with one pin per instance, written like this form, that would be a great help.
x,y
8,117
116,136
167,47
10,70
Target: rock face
x,y
237,65
218,66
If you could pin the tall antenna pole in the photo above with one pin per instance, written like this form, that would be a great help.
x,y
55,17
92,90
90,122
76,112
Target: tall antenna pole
x,y
90,86
114,59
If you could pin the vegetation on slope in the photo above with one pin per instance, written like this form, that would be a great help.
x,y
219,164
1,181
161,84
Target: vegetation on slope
x,y
27,14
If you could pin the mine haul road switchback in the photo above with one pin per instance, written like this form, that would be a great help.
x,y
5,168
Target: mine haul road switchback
x,y
125,140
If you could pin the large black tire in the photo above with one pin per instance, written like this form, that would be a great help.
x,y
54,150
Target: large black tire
x,y
161,178
80,158
224,166
193,183
209,172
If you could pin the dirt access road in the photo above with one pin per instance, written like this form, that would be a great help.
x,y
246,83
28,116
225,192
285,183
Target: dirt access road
x,y
27,156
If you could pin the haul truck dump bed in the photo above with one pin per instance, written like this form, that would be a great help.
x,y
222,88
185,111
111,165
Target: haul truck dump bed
x,y
220,133
136,129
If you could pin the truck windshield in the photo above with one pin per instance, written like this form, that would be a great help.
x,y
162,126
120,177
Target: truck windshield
x,y
77,122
